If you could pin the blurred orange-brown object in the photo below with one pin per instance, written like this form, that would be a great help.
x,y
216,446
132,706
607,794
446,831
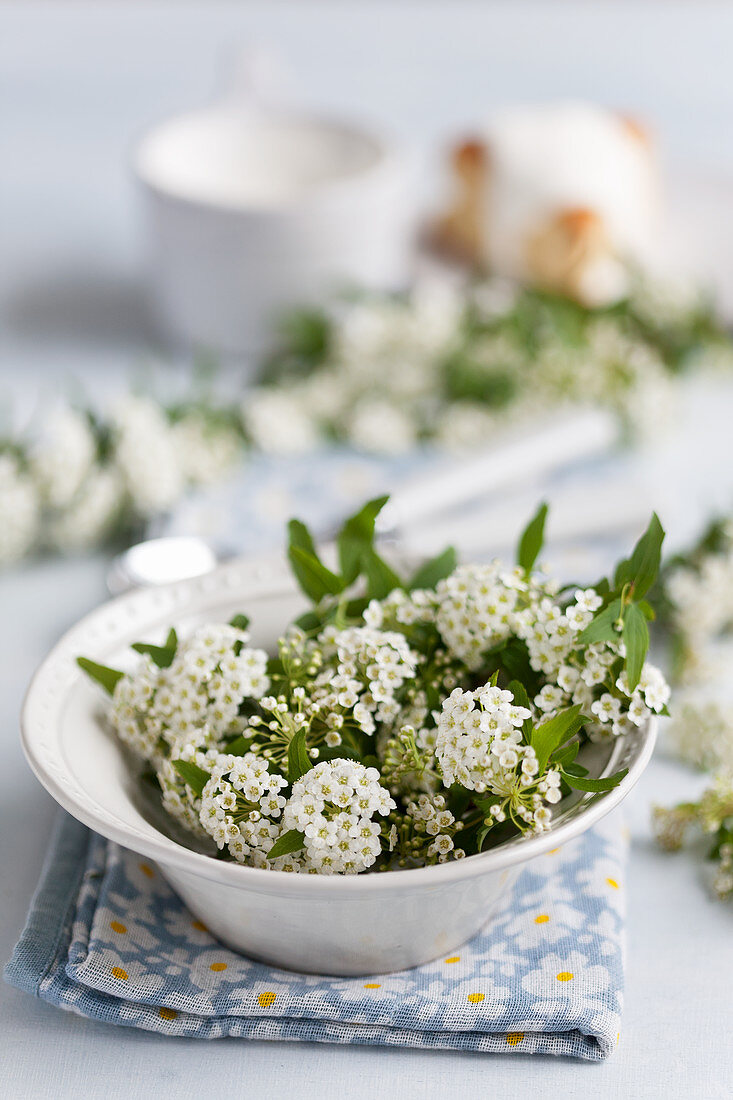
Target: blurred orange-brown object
x,y
561,196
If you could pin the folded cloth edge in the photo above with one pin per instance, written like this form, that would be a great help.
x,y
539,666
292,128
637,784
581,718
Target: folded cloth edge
x,y
56,893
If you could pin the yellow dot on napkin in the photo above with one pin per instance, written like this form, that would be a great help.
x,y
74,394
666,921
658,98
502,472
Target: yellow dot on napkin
x,y
454,959
199,926
168,1013
146,869
476,998
372,985
218,966
117,927
118,972
564,976
514,1038
542,918
612,882
267,999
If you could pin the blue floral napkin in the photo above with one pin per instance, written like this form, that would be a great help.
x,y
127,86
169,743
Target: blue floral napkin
x,y
107,938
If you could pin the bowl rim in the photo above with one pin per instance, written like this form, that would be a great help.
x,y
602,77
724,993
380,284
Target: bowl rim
x,y
58,674
389,157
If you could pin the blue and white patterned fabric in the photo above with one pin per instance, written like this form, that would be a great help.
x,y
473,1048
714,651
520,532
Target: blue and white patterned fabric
x,y
107,938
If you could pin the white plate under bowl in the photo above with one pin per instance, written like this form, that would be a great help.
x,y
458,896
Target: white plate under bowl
x,y
362,924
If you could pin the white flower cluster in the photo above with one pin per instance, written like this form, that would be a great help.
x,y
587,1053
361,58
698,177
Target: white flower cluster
x,y
701,598
179,800
240,805
455,366
480,746
81,479
212,673
242,808
334,805
401,608
430,816
19,510
700,731
364,671
243,746
476,609
480,606
711,815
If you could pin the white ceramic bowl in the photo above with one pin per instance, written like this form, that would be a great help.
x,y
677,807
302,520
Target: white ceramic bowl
x,y
249,212
367,923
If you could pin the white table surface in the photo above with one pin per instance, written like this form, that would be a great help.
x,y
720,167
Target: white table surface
x,y
76,84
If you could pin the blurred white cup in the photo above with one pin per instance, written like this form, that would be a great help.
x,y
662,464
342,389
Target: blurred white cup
x,y
250,210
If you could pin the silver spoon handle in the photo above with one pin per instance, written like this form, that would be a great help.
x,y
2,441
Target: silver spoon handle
x,y
565,440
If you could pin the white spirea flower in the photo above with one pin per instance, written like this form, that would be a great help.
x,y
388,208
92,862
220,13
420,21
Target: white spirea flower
x,y
212,673
701,729
480,746
179,800
701,598
240,805
476,609
19,510
380,427
146,455
277,422
206,451
364,670
91,515
130,711
63,456
480,606
334,805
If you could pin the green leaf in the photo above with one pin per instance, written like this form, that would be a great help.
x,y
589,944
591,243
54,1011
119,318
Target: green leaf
x,y
299,535
564,756
602,628
575,769
338,752
161,655
356,536
381,579
481,835
532,539
514,657
193,775
239,746
309,621
554,732
521,698
103,675
299,761
240,621
636,639
606,784
435,570
520,694
308,334
641,569
289,842
312,575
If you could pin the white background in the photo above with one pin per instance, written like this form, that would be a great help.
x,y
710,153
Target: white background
x,y
77,84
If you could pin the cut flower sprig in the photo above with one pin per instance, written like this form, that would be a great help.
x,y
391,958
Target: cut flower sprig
x,y
404,720
695,599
